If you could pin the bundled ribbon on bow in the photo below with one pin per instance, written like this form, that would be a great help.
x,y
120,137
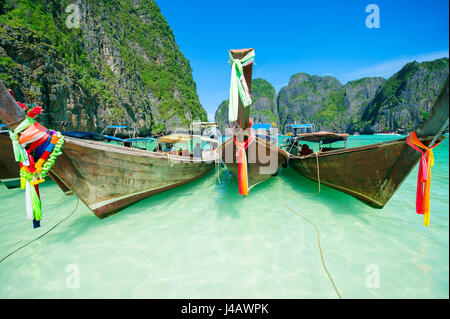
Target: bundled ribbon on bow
x,y
238,85
36,148
424,176
242,162
20,154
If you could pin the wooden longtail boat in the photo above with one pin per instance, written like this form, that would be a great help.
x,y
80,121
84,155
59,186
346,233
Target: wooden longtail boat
x,y
372,173
108,178
263,158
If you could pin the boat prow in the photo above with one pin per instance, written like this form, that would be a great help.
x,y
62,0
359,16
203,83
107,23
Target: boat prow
x,y
373,173
249,158
108,178
263,159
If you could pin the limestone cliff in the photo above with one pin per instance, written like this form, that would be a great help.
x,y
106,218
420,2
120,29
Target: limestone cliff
x,y
119,65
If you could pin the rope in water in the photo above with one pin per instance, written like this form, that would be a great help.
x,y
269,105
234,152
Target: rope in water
x,y
320,247
40,236
316,228
318,169
29,234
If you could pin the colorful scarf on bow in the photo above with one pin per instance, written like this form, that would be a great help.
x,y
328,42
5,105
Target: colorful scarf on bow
x,y
241,156
424,176
238,85
36,148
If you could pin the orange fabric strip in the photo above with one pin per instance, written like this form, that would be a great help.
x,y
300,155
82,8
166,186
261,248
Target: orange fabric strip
x,y
424,177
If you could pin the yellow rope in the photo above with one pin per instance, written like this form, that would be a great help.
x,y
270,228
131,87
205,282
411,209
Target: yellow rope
x,y
320,247
217,164
318,169
316,228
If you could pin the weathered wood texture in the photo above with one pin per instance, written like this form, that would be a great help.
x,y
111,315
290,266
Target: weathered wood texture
x,y
257,165
9,168
244,113
108,178
373,172
263,160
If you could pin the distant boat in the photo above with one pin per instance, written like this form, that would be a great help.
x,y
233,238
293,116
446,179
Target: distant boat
x,y
356,134
258,169
264,131
371,173
108,178
388,133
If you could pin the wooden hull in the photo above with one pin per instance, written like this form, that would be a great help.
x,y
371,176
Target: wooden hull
x,y
263,159
259,168
9,168
374,172
108,178
371,173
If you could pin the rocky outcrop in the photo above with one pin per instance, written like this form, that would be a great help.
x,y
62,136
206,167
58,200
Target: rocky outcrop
x,y
358,94
324,101
221,115
405,99
368,105
121,66
305,98
263,108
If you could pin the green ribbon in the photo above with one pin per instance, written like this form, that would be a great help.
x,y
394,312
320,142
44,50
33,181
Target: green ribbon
x,y
36,204
19,152
238,85
57,150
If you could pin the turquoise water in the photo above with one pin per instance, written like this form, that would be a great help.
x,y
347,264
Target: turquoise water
x,y
203,240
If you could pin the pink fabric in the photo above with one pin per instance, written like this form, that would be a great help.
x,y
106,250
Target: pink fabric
x,y
421,177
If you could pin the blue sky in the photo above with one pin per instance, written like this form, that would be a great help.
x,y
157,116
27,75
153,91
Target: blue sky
x,y
317,37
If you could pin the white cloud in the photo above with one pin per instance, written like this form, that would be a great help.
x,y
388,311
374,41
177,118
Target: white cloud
x,y
388,68
211,117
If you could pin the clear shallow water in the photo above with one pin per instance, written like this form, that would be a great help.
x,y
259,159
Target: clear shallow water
x,y
203,240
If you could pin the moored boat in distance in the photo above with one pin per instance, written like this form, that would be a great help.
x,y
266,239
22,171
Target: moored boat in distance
x,y
259,159
371,173
108,178
388,133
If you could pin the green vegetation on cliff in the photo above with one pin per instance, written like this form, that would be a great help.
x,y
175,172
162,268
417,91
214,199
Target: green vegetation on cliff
x,y
123,57
368,105
405,99
263,108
